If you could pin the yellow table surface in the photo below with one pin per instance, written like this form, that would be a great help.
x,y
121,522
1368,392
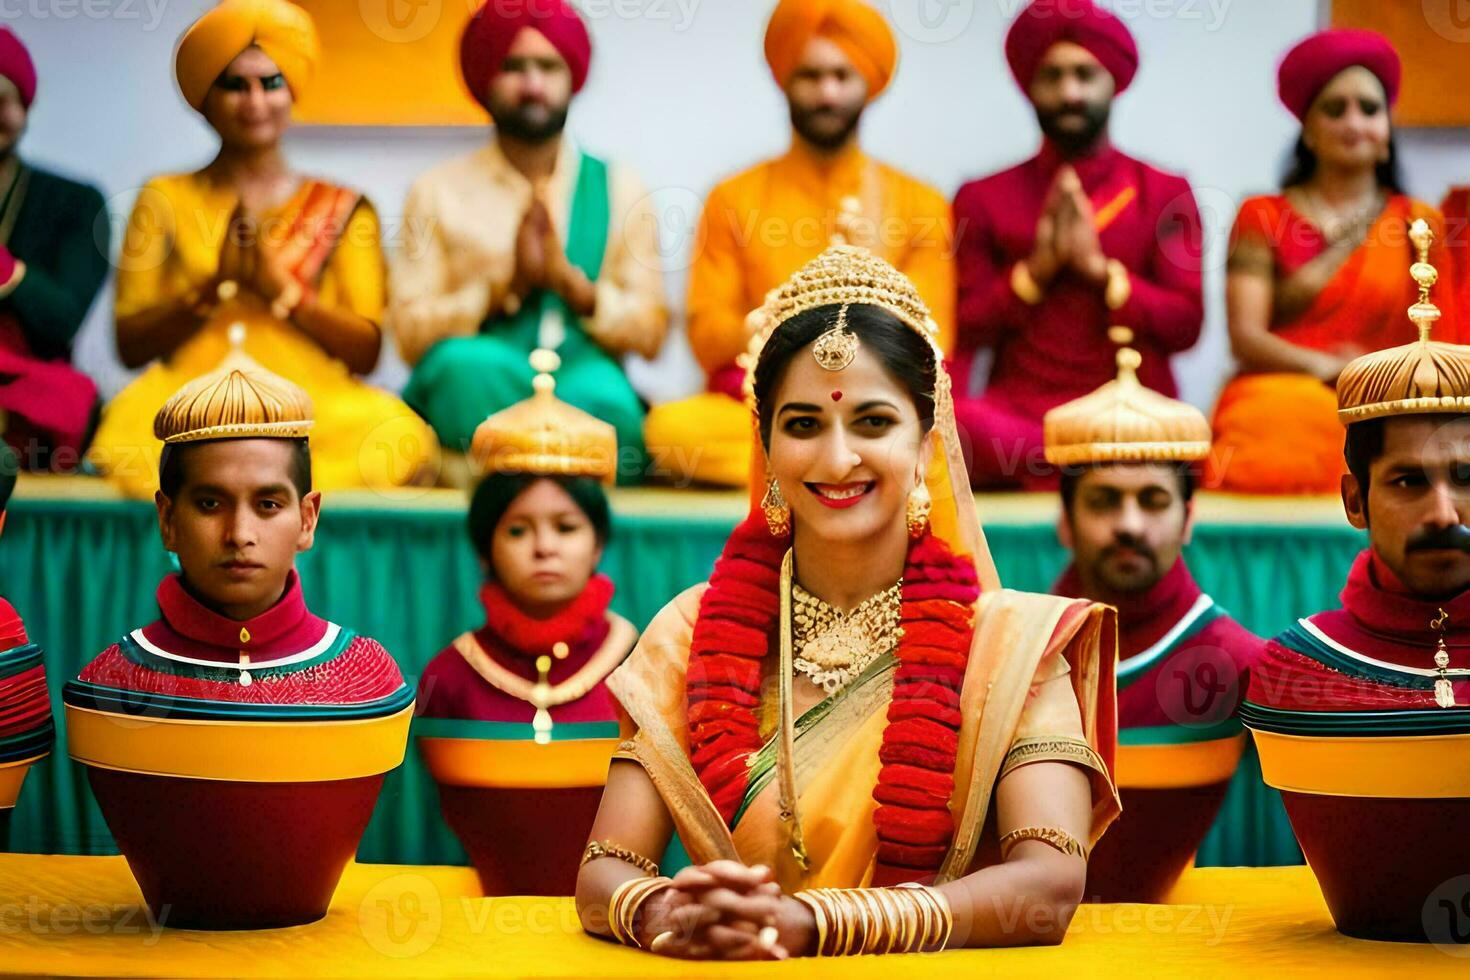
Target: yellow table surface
x,y
82,916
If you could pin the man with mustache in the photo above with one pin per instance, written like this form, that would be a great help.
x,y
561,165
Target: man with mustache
x,y
832,58
529,242
1053,251
1127,457
1362,714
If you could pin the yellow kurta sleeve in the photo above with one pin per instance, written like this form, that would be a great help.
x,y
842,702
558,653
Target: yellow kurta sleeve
x,y
929,260
632,315
356,276
427,304
717,305
148,272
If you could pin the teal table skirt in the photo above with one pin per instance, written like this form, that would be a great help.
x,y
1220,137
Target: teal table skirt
x,y
81,573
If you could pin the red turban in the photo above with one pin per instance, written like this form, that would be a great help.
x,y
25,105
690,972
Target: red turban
x,y
1045,22
16,65
493,29
1308,67
853,25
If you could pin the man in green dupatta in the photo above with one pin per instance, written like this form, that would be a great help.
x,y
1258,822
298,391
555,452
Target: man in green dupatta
x,y
527,242
53,258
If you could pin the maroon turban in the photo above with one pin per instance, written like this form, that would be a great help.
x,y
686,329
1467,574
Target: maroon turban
x,y
16,65
493,29
1308,67
1045,22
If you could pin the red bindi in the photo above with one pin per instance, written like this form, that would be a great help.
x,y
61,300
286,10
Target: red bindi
x,y
837,396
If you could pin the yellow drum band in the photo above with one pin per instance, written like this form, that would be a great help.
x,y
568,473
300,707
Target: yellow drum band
x,y
1178,765
236,751
520,764
12,775
1427,767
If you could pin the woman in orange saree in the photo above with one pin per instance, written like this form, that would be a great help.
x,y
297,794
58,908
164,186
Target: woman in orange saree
x,y
1317,273
864,743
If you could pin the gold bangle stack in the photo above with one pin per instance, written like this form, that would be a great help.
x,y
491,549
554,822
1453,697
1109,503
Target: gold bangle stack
x,y
607,849
622,909
859,921
1054,836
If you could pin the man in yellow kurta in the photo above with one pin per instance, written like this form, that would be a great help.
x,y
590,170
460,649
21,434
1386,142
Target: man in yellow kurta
x,y
249,252
831,58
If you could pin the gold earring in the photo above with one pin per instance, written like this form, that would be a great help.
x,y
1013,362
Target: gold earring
x,y
778,513
916,513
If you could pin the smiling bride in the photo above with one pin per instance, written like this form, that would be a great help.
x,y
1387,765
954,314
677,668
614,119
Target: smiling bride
x,y
863,742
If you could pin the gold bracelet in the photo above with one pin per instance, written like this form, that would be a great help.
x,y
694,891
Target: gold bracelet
x,y
1024,284
819,916
623,907
1120,285
1054,836
607,849
859,921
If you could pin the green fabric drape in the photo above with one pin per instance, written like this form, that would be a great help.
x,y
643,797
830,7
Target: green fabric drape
x,y
82,573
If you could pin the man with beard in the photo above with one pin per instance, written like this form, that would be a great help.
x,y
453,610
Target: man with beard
x,y
832,58
1126,455
526,243
53,258
1362,714
1053,251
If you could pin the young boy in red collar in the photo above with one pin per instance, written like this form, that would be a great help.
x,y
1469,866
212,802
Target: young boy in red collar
x,y
1362,714
238,707
1126,456
26,731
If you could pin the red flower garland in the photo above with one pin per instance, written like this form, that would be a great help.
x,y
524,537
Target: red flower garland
x,y
737,629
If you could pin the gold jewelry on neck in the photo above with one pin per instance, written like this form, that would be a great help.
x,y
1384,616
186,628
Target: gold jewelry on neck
x,y
1444,691
835,647
836,349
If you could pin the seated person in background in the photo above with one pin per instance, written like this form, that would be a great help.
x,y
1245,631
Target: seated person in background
x,y
832,59
248,241
517,725
1127,458
1055,249
53,258
26,731
237,745
1317,272
527,242
1362,714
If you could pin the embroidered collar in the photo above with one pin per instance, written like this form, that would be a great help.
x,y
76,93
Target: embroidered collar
x,y
191,619
614,650
581,624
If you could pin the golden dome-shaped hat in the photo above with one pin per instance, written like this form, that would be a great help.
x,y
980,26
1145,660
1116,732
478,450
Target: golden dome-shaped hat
x,y
237,400
1426,377
1125,422
545,436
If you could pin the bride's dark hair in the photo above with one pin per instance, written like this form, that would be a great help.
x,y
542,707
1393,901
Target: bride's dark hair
x,y
906,357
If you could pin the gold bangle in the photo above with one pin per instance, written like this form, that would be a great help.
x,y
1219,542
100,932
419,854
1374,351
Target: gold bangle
x,y
623,907
1120,285
1054,836
1024,284
819,918
602,848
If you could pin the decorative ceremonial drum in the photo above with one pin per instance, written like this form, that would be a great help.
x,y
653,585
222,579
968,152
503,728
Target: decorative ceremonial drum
x,y
235,816
522,810
1172,780
1379,801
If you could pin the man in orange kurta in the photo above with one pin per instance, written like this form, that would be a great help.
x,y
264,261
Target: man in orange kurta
x,y
832,58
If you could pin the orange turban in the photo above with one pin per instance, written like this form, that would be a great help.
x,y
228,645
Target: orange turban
x,y
853,25
282,30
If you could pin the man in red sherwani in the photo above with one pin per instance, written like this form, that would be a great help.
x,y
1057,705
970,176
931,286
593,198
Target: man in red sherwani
x,y
1057,249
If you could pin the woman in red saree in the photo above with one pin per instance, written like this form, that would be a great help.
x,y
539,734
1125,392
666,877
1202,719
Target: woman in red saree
x,y
1317,273
864,743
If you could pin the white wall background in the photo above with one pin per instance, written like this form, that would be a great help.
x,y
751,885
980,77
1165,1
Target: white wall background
x,y
680,90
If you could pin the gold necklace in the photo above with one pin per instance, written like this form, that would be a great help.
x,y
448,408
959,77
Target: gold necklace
x,y
835,647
